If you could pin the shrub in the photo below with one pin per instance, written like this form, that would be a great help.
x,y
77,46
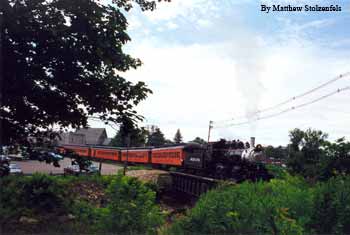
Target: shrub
x,y
37,193
278,207
129,204
9,198
278,172
332,206
89,219
42,193
132,207
39,197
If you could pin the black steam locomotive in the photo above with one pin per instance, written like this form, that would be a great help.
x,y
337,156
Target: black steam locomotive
x,y
230,160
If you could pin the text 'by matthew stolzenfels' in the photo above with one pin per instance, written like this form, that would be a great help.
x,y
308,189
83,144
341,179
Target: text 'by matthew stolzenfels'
x,y
299,8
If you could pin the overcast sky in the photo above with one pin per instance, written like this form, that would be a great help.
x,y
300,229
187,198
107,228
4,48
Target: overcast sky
x,y
223,59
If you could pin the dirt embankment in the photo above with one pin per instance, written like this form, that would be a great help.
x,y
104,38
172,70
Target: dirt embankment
x,y
147,175
173,203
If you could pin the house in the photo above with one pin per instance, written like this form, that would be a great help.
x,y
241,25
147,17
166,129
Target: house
x,y
86,136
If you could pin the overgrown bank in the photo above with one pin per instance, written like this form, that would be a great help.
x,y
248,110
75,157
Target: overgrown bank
x,y
118,204
282,206
80,205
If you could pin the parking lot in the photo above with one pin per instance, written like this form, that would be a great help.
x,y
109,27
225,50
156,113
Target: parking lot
x,y
32,166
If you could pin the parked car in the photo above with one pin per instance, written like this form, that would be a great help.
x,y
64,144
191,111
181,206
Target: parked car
x,y
15,169
44,155
93,169
71,170
55,156
4,158
4,165
75,170
17,157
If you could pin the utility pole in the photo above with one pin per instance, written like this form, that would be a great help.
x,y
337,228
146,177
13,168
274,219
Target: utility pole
x,y
1,77
100,167
210,127
127,140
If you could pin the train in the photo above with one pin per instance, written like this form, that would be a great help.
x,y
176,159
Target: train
x,y
219,160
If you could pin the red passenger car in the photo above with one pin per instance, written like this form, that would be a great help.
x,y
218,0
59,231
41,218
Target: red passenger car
x,y
106,153
136,155
80,150
173,156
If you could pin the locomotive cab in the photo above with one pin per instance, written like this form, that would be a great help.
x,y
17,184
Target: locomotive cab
x,y
195,155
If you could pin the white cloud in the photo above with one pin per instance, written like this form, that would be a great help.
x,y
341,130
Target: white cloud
x,y
172,25
197,83
179,8
246,71
204,23
134,23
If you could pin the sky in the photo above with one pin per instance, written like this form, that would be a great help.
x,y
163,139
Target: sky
x,y
225,59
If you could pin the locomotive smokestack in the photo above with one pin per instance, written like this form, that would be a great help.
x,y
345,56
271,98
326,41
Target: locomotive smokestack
x,y
252,142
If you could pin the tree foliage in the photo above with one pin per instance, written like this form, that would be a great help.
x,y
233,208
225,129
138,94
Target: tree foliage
x,y
178,137
128,129
78,205
132,207
336,160
306,152
332,206
199,140
296,136
313,156
155,137
277,153
63,64
277,207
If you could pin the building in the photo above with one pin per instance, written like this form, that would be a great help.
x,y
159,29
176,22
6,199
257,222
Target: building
x,y
86,136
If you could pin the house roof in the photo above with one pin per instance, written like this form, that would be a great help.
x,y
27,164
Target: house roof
x,y
107,141
93,135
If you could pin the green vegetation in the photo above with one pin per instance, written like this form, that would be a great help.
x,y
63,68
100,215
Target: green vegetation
x,y
132,207
310,196
314,157
68,50
84,205
331,213
289,206
129,135
155,137
199,140
278,172
276,153
278,207
139,167
119,204
178,137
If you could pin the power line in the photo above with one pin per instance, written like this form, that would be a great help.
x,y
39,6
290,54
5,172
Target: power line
x,y
290,99
307,92
287,110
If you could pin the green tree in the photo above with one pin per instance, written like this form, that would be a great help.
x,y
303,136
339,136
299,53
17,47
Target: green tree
x,y
296,136
127,129
155,137
178,137
63,63
277,153
199,140
306,152
336,160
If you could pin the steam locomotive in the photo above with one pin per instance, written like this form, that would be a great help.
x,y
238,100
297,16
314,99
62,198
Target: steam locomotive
x,y
220,160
